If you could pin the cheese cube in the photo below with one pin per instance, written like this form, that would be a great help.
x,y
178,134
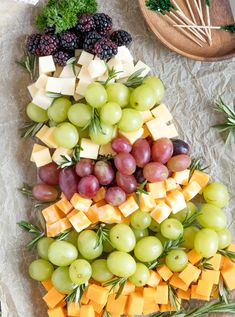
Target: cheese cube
x,y
124,55
69,71
42,157
176,201
157,190
182,177
176,282
128,70
49,139
164,272
32,90
52,214
56,228
42,100
129,206
132,136
170,184
160,212
79,220
106,149
154,279
189,274
229,278
96,68
82,87
146,115
194,257
41,82
191,190
46,64
147,202
85,58
200,177
89,149
135,304
80,203
162,112
68,86
211,276
36,148
162,294
140,65
109,214
57,155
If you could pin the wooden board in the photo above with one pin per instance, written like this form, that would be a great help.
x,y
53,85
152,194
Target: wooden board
x,y
223,46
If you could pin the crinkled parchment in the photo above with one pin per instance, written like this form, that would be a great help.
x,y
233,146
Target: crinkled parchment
x,y
191,88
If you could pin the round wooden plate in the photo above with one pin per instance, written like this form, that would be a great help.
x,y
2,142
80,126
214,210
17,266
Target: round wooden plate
x,y
223,44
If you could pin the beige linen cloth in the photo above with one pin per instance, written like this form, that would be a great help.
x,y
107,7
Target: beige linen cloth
x,y
191,89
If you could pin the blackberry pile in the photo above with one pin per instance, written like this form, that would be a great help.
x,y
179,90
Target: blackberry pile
x,y
92,33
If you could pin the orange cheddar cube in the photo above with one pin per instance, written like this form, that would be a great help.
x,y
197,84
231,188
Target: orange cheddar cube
x,y
191,190
47,284
184,294
64,205
135,304
170,184
194,294
98,308
60,226
129,206
87,311
194,257
147,203
229,277
175,199
176,282
162,294
182,177
52,214
160,212
109,214
189,274
154,279
128,288
97,293
100,195
200,177
204,288
80,203
116,306
216,262
79,220
73,309
157,190
211,276
164,272
53,298
56,312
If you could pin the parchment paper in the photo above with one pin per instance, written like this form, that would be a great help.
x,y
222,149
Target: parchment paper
x,y
191,88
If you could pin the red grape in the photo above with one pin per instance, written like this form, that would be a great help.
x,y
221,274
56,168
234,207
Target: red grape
x,y
127,182
49,174
68,182
125,163
84,167
179,163
45,193
180,147
141,152
88,186
115,196
162,150
104,172
155,172
121,144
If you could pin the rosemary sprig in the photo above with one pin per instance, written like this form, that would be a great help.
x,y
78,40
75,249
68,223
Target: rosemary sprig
x,y
173,298
112,74
190,219
229,125
204,264
161,6
117,281
36,233
76,294
141,190
63,235
228,254
29,63
224,293
197,164
171,245
30,129
135,79
102,234
71,160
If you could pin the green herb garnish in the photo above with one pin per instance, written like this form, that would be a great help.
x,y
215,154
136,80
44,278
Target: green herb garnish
x,y
30,129
29,63
36,233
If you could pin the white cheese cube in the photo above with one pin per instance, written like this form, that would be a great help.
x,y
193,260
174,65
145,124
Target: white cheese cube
x,y
96,68
162,112
46,64
69,71
106,149
58,71
85,58
141,65
146,115
68,86
41,82
84,74
128,70
132,136
53,85
56,157
82,87
124,55
77,97
32,90
89,149
41,100
36,148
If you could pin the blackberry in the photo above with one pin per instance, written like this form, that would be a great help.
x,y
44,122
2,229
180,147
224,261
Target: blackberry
x,y
121,38
50,30
89,41
105,49
86,23
69,40
32,44
103,23
61,57
48,44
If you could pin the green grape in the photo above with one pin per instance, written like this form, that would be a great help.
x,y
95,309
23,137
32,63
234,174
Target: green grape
x,y
121,264
111,113
186,212
161,238
107,246
62,253
141,275
40,270
80,271
87,245
140,233
122,238
176,260
157,85
83,133
36,113
102,136
96,95
140,220
189,237
61,280
100,271
43,247
148,249
216,194
225,238
72,238
212,217
171,229
131,120
80,114
143,98
66,135
155,226
118,93
58,111
206,243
